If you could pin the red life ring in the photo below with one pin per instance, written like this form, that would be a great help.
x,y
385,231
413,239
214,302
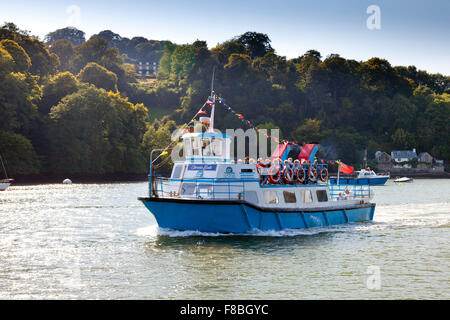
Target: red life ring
x,y
258,167
300,175
312,174
288,175
274,177
323,175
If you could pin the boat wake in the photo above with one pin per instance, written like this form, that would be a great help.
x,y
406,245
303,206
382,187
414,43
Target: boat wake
x,y
386,217
426,214
155,231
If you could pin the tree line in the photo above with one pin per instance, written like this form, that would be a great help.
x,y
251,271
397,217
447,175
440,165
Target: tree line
x,y
71,105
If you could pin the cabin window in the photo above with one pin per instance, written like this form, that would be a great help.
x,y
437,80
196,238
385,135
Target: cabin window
x,y
271,197
187,189
188,147
289,197
206,147
251,196
306,196
322,195
177,172
196,147
216,147
205,190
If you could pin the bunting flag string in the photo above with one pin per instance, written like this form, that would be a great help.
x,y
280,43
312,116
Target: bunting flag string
x,y
209,102
241,117
247,122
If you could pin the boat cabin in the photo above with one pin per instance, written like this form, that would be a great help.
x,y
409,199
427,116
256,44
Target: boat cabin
x,y
207,147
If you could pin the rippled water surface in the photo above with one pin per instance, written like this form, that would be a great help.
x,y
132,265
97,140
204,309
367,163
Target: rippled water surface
x,y
96,241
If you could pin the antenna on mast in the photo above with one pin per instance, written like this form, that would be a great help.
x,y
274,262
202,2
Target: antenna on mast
x,y
212,81
213,97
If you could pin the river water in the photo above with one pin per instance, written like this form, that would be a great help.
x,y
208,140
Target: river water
x,y
96,241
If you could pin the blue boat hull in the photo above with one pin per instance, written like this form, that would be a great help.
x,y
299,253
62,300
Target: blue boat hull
x,y
360,181
242,217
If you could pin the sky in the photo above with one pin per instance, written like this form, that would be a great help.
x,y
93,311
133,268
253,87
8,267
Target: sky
x,y
405,32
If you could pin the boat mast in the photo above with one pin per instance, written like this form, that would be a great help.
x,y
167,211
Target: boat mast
x,y
213,97
4,169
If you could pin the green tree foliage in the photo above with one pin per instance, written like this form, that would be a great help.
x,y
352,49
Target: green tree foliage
x,y
72,34
57,122
19,92
258,44
310,131
19,154
64,49
92,131
43,63
99,76
22,61
61,85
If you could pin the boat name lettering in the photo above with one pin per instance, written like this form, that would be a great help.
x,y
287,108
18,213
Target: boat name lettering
x,y
205,167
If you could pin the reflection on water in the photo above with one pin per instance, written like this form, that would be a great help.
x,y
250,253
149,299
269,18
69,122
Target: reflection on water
x,y
96,241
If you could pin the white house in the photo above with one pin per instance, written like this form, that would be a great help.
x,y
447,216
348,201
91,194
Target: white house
x,y
403,156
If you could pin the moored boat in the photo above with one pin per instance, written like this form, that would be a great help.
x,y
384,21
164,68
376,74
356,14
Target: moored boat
x,y
362,177
210,192
4,183
403,180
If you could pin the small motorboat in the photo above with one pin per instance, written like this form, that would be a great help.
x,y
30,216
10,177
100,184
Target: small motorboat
x,y
403,180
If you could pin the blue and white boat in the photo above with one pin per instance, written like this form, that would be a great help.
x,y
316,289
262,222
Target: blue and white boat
x,y
362,177
210,192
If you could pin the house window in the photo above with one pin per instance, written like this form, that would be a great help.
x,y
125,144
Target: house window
x,y
306,196
289,197
322,195
271,197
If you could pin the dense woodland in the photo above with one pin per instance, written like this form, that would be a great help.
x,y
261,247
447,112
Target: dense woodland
x,y
71,105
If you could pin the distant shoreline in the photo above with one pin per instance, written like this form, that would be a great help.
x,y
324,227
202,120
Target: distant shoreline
x,y
117,178
78,178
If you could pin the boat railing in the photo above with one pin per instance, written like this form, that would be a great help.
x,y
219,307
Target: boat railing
x,y
349,192
198,188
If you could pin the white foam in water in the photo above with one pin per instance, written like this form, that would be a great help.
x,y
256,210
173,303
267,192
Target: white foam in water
x,y
431,214
151,230
387,216
154,230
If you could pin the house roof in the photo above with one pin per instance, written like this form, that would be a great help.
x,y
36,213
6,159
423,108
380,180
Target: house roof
x,y
408,154
423,154
379,154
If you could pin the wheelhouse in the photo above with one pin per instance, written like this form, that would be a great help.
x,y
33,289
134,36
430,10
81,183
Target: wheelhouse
x,y
207,147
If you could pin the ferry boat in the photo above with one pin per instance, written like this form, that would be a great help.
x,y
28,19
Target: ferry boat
x,y
211,192
362,177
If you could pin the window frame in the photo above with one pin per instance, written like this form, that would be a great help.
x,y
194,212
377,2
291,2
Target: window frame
x,y
285,192
271,192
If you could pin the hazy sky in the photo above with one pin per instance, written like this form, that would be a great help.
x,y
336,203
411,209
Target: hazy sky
x,y
412,32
